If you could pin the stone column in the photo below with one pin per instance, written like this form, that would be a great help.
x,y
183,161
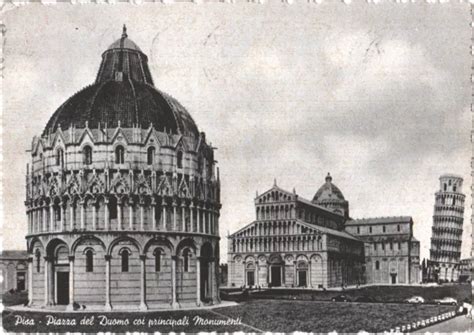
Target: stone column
x,y
70,307
142,219
309,273
174,216
183,217
46,287
33,223
106,214
282,274
30,281
48,282
71,216
38,220
62,222
45,220
119,216
295,274
211,278
130,215
143,306
174,303
209,223
108,306
29,221
198,212
153,214
94,216
83,223
269,273
163,216
191,218
198,281
214,284
51,217
257,269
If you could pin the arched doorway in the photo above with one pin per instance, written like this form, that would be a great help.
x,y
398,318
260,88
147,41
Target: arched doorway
x,y
302,269
275,274
58,272
205,272
250,274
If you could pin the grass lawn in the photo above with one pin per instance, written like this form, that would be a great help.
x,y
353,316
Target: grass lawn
x,y
264,314
318,316
380,293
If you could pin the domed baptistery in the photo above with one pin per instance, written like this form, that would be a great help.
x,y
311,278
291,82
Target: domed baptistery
x,y
122,197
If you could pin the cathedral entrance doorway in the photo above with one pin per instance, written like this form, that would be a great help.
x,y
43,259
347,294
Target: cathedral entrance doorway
x,y
302,278
275,272
62,288
250,278
250,274
302,272
394,278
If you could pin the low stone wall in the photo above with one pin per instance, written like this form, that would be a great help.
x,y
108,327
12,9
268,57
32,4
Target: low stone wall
x,y
423,323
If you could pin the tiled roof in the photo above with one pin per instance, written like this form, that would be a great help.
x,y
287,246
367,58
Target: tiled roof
x,y
377,220
322,229
329,231
307,202
13,254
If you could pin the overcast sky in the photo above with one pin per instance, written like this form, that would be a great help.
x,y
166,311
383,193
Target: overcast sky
x,y
378,95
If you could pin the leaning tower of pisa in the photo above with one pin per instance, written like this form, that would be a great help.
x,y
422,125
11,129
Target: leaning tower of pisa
x,y
445,251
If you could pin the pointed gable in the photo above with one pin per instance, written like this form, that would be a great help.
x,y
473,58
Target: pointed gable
x,y
151,137
86,136
275,194
120,136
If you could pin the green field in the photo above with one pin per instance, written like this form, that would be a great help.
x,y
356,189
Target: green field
x,y
379,293
318,316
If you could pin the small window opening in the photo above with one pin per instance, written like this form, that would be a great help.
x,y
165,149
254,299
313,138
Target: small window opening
x,y
119,155
150,155
125,257
89,261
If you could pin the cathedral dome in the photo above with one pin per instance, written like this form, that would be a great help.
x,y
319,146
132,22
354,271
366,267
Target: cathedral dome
x,y
328,191
330,196
123,95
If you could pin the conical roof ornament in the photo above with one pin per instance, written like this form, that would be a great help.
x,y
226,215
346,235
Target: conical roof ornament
x,y
124,31
328,178
275,182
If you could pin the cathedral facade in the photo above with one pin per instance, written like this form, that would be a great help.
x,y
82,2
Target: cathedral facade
x,y
295,242
123,197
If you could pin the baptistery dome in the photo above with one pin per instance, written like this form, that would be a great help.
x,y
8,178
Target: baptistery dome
x,y
122,197
330,196
123,95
